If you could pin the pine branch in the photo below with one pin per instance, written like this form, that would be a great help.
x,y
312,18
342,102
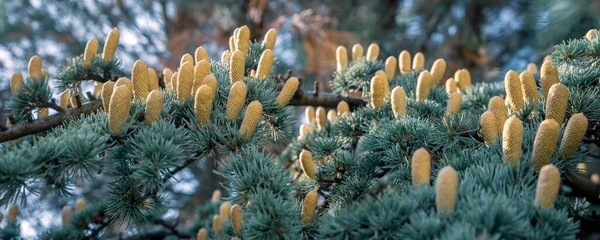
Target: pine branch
x,y
41,125
52,104
44,124
327,100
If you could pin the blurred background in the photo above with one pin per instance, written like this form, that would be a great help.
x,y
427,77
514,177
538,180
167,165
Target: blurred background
x,y
488,37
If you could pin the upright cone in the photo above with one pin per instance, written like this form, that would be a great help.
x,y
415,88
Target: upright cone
x,y
216,196
487,121
446,186
556,103
496,105
236,100
13,212
167,74
512,140
251,119
237,64
421,167
287,92
451,86
67,213
404,63
139,80
16,82
265,64
225,57
548,185
463,78
270,38
437,71
357,52
418,61
321,116
79,205
203,101
110,45
35,68
224,211
118,109
545,143
237,218
390,67
211,81
217,225
529,88
548,77
373,52
399,102
341,55
107,90
152,80
342,108
187,58
91,48
307,164
377,91
201,70
423,86
574,133
202,234
242,39
331,115
200,54
154,105
309,205
174,81
185,81
514,92
454,103
309,114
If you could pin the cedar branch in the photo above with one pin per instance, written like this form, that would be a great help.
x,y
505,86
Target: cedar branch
x,y
323,99
40,125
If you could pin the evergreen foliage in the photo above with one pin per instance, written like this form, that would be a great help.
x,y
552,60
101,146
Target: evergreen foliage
x,y
363,187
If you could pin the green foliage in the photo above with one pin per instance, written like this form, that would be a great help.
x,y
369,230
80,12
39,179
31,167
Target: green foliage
x,y
140,162
367,183
70,76
363,160
356,77
31,97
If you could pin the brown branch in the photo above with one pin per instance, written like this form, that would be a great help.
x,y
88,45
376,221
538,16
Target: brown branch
x,y
26,128
324,100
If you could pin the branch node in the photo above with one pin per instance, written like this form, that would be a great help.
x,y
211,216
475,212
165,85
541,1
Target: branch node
x,y
78,100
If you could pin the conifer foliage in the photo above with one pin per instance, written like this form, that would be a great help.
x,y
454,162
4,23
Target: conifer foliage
x,y
426,158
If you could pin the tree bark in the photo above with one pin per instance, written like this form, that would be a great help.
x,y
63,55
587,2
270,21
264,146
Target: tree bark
x,y
47,123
